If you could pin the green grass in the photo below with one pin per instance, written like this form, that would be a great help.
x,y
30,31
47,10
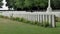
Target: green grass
x,y
13,27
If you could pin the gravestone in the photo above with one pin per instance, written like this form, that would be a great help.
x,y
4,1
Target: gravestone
x,y
4,7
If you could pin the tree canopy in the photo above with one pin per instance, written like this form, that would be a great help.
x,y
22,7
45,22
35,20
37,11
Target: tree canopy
x,y
1,4
31,4
55,4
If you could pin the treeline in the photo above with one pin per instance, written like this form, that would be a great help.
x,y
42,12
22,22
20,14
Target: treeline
x,y
27,4
1,3
55,4
32,4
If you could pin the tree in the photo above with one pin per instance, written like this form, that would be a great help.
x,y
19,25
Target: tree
x,y
10,3
19,3
40,3
31,4
1,3
55,3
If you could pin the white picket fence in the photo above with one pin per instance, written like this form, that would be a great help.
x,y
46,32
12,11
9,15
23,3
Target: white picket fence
x,y
34,16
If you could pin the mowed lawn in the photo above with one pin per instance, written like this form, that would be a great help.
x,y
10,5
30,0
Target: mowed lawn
x,y
13,27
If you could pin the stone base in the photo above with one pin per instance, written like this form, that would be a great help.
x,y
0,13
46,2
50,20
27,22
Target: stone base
x,y
4,8
49,9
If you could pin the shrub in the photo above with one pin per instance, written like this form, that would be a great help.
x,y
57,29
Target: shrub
x,y
38,23
1,16
22,19
17,19
57,19
27,21
45,24
35,22
6,17
13,18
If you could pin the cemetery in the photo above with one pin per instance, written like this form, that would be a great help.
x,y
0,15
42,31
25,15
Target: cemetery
x,y
10,21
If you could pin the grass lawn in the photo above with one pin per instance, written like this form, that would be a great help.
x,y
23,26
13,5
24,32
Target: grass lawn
x,y
13,27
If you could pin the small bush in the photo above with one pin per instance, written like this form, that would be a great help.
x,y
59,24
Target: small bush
x,y
27,21
57,19
39,24
22,19
46,24
35,23
13,18
6,17
17,19
1,16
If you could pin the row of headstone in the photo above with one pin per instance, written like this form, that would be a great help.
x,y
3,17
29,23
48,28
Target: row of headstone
x,y
4,7
42,18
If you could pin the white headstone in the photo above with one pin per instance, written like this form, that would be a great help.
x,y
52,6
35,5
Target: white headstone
x,y
4,7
